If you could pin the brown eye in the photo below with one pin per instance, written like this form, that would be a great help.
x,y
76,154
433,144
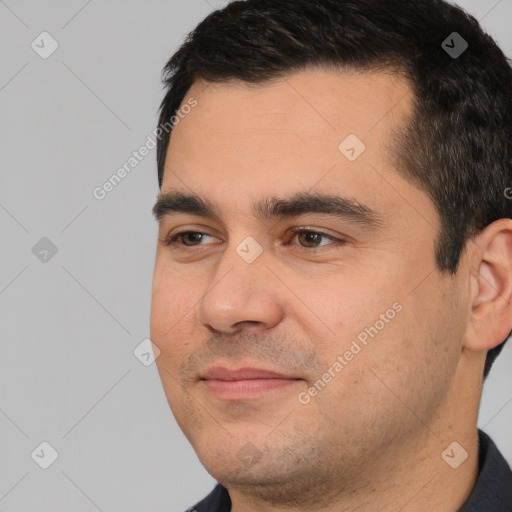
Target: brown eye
x,y
192,237
310,239
186,239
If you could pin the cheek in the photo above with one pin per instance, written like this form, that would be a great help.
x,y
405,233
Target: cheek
x,y
414,356
173,303
352,304
171,331
378,323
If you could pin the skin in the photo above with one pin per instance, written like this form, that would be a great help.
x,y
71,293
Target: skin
x,y
372,438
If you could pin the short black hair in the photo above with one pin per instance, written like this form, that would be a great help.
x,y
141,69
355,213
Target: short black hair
x,y
457,146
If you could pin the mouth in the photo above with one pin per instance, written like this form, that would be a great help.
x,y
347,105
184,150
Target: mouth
x,y
245,383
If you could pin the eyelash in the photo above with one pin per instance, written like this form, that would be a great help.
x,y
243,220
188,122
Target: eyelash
x,y
172,240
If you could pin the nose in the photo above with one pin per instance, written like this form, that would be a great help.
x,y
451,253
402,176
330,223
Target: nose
x,y
240,296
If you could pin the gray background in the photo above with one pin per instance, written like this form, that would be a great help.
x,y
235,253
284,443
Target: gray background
x,y
69,326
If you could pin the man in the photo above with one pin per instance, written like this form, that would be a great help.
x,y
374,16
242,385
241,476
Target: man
x,y
333,277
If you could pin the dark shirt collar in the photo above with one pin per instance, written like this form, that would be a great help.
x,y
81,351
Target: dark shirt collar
x,y
492,491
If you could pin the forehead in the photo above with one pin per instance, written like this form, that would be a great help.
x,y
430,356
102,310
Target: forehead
x,y
324,99
288,135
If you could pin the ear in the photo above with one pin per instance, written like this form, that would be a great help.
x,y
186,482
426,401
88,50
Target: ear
x,y
491,287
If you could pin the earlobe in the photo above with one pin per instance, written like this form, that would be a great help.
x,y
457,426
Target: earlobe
x,y
491,287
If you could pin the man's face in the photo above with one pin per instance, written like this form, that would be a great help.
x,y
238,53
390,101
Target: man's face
x,y
362,325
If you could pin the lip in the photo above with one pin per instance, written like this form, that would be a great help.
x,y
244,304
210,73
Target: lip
x,y
245,373
245,383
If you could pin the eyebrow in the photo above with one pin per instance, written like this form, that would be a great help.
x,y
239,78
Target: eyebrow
x,y
273,208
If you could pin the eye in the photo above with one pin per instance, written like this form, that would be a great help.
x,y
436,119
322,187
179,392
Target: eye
x,y
188,238
310,239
